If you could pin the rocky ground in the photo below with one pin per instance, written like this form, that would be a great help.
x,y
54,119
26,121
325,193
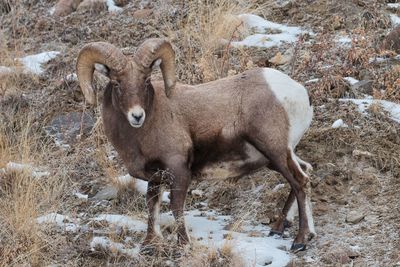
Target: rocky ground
x,y
339,54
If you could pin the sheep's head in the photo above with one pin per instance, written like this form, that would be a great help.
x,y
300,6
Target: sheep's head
x,y
132,94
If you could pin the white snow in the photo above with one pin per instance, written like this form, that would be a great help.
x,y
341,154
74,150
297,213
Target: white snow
x,y
339,123
22,167
363,104
259,25
106,244
351,80
81,196
382,59
51,10
60,220
312,81
71,77
32,63
140,185
123,221
394,5
395,19
343,40
209,229
278,187
5,71
112,7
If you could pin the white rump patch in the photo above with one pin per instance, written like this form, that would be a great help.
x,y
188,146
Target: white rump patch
x,y
294,98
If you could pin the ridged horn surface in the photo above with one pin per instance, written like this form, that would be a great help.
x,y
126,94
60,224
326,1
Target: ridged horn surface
x,y
157,48
102,53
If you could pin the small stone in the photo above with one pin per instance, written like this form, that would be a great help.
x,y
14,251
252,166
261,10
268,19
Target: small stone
x,y
360,153
107,193
354,217
392,40
364,86
197,193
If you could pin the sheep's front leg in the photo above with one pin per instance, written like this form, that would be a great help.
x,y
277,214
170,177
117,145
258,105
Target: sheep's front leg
x,y
153,200
180,182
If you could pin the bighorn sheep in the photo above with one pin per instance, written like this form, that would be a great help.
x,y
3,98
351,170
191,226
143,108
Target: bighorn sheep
x,y
248,121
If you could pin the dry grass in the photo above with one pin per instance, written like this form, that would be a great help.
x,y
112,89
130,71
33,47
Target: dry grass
x,y
23,198
203,31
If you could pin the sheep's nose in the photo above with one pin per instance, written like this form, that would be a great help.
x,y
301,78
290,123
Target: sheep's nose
x,y
137,117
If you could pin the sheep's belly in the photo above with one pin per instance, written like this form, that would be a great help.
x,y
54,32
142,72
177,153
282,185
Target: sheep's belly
x,y
251,161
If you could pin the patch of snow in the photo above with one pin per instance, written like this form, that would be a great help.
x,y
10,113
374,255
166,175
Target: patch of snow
x,y
382,59
287,34
5,71
339,123
106,244
81,196
51,10
140,185
394,5
60,220
32,63
351,80
278,187
209,229
363,105
344,40
325,67
123,221
71,77
125,179
395,19
312,81
22,167
112,7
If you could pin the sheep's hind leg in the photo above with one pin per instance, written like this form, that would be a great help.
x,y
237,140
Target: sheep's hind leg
x,y
304,164
284,221
281,160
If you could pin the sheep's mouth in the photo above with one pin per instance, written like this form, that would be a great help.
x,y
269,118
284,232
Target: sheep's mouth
x,y
136,125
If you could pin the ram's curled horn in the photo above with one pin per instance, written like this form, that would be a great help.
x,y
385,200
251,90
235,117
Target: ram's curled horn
x,y
102,53
153,49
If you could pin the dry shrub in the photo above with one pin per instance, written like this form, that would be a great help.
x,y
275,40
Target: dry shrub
x,y
390,82
331,86
203,31
361,49
23,198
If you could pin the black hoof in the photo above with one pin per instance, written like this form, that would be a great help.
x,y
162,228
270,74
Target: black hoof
x,y
298,247
273,232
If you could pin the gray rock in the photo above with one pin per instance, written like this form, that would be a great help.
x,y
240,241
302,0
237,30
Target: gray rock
x,y
364,87
354,217
65,129
107,193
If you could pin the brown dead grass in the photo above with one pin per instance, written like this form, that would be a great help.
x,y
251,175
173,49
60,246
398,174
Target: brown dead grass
x,y
202,33
23,198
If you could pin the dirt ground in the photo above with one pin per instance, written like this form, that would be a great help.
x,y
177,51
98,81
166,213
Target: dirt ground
x,y
355,179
